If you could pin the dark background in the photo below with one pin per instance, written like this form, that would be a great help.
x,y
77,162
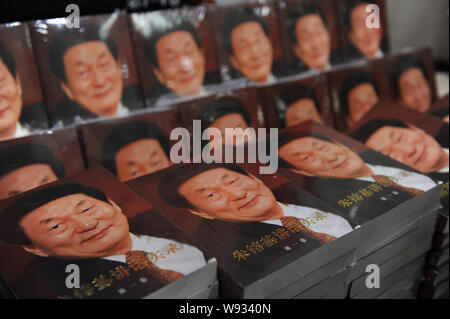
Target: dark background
x,y
24,10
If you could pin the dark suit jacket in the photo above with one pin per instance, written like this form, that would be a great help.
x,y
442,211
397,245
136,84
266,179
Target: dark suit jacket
x,y
45,277
222,239
34,116
67,109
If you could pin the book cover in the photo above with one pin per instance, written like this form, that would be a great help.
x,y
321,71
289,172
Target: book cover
x,y
176,54
22,111
32,161
87,72
119,246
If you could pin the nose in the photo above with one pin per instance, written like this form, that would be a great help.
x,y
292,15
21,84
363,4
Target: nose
x,y
186,64
407,149
255,51
85,223
99,77
235,193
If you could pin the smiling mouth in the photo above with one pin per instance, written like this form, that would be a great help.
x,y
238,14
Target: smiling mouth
x,y
250,202
103,94
99,235
3,112
422,156
343,163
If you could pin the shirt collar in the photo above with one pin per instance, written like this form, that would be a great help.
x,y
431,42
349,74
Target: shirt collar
x,y
445,169
21,130
136,243
122,110
291,211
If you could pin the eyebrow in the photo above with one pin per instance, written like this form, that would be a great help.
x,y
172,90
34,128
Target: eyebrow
x,y
80,203
169,51
200,190
46,221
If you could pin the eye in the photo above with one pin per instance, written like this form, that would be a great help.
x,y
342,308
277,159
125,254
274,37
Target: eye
x,y
210,195
87,209
55,227
45,180
14,192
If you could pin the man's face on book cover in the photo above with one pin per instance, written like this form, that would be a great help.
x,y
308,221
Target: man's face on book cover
x,y
228,195
311,156
367,40
25,178
410,146
233,121
313,45
94,78
361,99
140,158
10,99
75,226
181,63
302,111
252,51
414,90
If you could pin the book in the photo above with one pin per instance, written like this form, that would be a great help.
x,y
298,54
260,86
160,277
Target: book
x,y
89,236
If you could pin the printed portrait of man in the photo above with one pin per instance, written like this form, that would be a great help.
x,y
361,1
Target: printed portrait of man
x,y
359,94
82,225
227,112
228,193
245,36
405,143
318,156
10,98
27,166
85,60
310,37
365,42
135,149
410,84
177,57
297,104
363,185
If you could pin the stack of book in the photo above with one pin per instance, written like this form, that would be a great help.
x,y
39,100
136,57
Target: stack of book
x,y
271,238
89,236
422,143
392,207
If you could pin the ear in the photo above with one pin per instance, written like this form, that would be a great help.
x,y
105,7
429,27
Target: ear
x,y
159,75
114,205
349,121
19,85
301,172
234,62
297,51
415,128
351,37
200,213
255,178
67,90
34,250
